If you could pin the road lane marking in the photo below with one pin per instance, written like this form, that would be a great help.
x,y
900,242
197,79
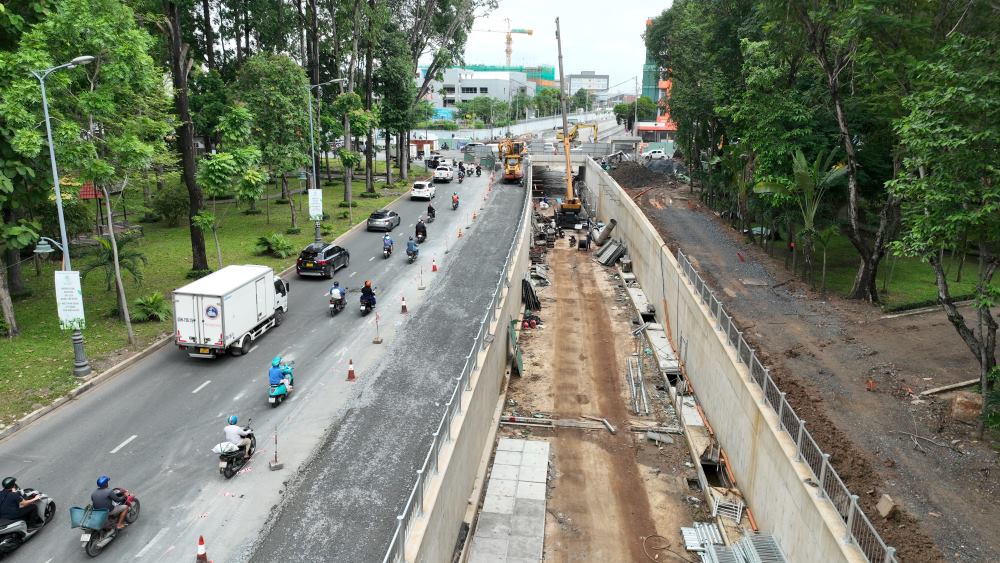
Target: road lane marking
x,y
252,349
149,545
200,387
353,274
238,397
123,444
372,258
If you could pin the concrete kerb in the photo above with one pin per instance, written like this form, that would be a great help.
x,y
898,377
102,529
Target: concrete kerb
x,y
93,381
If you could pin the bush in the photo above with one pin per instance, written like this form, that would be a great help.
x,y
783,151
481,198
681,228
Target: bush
x,y
293,231
369,195
343,214
152,307
150,216
326,216
345,204
281,201
171,203
326,229
197,274
253,211
439,124
275,245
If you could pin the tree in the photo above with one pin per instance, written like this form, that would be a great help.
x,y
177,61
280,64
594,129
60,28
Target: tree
x,y
581,100
950,184
626,113
275,90
546,101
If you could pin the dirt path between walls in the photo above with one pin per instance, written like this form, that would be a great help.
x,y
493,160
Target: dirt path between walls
x,y
822,353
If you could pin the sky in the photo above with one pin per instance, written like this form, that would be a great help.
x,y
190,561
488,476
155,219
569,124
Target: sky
x,y
602,36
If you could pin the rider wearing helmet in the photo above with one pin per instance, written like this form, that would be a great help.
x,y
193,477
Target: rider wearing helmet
x,y
411,246
421,229
105,498
430,209
278,373
368,293
13,505
336,292
454,197
238,435
387,242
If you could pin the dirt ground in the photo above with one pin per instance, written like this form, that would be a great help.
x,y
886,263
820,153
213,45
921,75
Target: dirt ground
x,y
606,492
822,352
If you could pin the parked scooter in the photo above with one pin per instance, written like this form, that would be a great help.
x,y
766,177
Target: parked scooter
x,y
16,532
278,393
98,529
231,457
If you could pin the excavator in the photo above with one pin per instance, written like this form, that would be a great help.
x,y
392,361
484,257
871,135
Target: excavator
x,y
574,131
511,154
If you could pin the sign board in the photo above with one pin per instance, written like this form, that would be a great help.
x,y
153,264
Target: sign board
x,y
69,300
316,205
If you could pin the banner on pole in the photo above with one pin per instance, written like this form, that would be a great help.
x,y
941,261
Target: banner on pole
x,y
316,205
69,300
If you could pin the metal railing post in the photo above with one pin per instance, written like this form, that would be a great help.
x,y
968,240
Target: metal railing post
x,y
420,492
798,440
822,474
437,453
849,537
781,408
890,554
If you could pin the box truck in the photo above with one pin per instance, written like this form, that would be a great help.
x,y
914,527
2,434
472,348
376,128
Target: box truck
x,y
228,310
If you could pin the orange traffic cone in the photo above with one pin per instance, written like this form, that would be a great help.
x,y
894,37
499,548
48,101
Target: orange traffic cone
x,y
473,215
434,265
404,305
460,232
202,555
350,370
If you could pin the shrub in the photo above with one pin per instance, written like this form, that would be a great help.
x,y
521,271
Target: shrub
x,y
150,216
345,204
326,216
196,274
171,203
281,201
343,214
152,307
369,195
253,211
276,245
326,229
293,231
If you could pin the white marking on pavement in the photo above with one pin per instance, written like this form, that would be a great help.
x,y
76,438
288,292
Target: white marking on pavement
x,y
353,274
238,397
372,258
200,387
149,545
123,444
252,349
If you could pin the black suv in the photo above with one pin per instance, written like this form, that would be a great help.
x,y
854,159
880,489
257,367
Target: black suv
x,y
322,259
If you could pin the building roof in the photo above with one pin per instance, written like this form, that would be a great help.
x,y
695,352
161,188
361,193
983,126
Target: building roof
x,y
657,126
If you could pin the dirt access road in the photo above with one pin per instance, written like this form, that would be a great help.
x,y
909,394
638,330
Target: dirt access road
x,y
822,353
606,492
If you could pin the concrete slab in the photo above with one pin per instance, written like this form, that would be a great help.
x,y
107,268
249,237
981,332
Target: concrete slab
x,y
535,460
499,505
493,525
507,458
504,472
488,550
535,447
533,473
529,548
502,487
534,491
509,445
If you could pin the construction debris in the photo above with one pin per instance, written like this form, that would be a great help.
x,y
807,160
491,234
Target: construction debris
x,y
952,387
658,437
610,253
886,507
603,421
701,535
967,407
529,297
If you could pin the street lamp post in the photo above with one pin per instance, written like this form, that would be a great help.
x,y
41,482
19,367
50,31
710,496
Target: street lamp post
x,y
80,365
312,146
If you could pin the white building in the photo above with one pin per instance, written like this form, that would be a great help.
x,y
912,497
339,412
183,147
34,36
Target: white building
x,y
462,85
587,80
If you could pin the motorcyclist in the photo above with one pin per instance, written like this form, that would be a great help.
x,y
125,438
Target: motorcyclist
x,y
368,293
279,373
421,229
461,176
411,247
105,498
479,170
336,292
387,242
461,167
430,210
237,435
13,505
454,199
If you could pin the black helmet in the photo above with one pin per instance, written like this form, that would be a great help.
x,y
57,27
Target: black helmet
x,y
9,482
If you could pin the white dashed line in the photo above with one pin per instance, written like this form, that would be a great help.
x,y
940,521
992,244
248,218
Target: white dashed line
x,y
200,387
149,545
353,274
238,397
123,444
372,258
252,349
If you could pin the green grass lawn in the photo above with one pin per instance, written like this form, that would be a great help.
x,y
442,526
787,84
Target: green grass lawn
x,y
40,360
911,283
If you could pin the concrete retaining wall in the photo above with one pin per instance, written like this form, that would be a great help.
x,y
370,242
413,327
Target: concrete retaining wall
x,y
762,458
433,535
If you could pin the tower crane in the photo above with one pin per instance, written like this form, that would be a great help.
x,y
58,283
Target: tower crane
x,y
509,50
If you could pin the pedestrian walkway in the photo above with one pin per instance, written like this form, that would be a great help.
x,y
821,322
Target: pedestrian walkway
x,y
511,525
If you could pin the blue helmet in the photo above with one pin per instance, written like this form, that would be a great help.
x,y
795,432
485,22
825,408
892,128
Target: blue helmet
x,y
276,361
232,419
102,481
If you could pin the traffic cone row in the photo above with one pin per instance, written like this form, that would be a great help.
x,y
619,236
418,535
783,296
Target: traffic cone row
x,y
350,370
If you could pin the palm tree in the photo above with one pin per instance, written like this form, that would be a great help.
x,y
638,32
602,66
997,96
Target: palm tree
x,y
113,257
809,184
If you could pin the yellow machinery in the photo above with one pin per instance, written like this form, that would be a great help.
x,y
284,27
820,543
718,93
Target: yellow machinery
x,y
574,131
511,154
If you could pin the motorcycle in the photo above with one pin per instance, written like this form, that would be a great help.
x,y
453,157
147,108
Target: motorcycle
x,y
454,204
460,178
430,217
337,304
412,255
386,251
231,457
421,237
278,393
479,171
16,532
367,304
98,529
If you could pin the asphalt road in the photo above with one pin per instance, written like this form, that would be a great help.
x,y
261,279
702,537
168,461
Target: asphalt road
x,y
344,506
152,427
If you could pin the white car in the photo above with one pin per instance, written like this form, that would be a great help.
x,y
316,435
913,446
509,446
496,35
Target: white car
x,y
423,190
549,148
444,174
655,154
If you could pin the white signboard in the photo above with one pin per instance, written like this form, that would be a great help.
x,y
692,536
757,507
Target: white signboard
x,y
316,205
69,300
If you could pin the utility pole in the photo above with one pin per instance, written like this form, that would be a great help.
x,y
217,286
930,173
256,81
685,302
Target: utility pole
x,y
635,108
572,203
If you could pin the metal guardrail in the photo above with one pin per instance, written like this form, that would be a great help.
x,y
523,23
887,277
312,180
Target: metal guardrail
x,y
414,506
860,530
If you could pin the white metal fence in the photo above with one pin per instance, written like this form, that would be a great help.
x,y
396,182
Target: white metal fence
x,y
860,530
414,506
